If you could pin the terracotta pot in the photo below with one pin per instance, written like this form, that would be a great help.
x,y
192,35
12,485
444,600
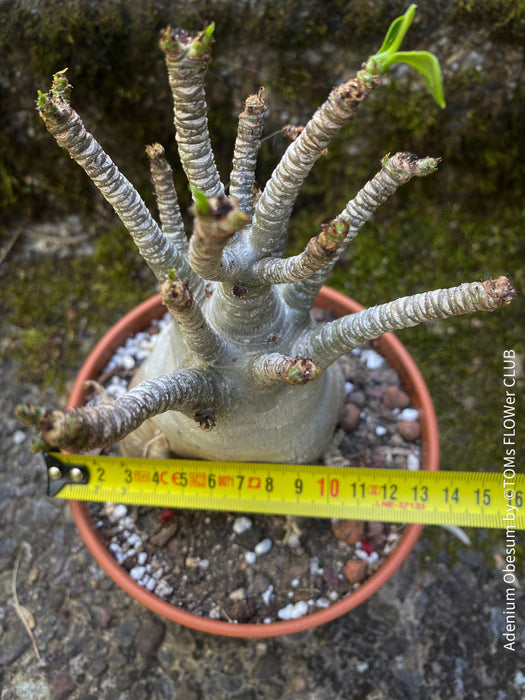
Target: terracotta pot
x,y
393,351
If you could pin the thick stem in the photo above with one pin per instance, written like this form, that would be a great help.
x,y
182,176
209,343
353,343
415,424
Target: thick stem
x,y
216,221
326,343
274,367
188,390
275,204
167,199
187,57
247,144
318,253
395,171
247,316
69,131
200,338
169,209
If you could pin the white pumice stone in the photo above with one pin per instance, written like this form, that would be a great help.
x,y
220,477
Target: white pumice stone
x,y
372,359
241,525
267,595
215,613
128,362
137,572
263,547
163,589
322,602
135,540
413,463
250,558
117,513
315,568
151,584
293,611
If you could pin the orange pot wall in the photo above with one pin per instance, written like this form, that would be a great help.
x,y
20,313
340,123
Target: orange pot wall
x,y
393,351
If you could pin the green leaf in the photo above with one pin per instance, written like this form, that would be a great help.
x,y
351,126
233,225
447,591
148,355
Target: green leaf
x,y
397,30
201,202
427,65
202,42
208,32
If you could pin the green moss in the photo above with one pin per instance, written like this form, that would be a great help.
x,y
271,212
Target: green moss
x,y
53,311
502,16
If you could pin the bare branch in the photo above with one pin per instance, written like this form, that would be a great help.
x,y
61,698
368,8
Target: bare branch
x,y
318,253
187,57
69,131
274,367
275,204
169,210
199,336
216,221
326,343
187,390
167,199
395,171
247,144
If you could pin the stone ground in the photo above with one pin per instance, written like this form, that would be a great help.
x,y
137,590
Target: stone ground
x,y
434,631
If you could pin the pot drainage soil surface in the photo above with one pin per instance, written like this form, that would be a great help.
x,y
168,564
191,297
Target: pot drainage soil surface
x,y
251,568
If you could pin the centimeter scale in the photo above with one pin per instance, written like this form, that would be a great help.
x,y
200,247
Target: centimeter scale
x,y
461,498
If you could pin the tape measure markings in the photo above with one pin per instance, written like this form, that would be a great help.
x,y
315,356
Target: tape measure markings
x,y
391,495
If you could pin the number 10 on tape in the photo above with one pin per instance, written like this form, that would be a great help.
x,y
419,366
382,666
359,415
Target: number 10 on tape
x,y
391,495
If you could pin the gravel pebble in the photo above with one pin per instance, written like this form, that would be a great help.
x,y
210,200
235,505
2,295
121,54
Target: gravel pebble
x,y
350,531
151,636
409,430
238,594
395,398
355,571
62,686
350,417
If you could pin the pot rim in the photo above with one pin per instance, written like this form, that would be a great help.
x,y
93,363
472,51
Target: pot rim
x,y
393,351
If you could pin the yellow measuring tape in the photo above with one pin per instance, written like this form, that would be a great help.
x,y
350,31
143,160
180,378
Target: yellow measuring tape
x,y
391,495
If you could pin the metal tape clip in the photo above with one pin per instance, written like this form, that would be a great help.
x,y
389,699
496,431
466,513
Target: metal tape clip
x,y
60,474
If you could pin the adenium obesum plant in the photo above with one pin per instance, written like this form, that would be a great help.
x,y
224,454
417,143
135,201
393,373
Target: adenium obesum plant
x,y
243,372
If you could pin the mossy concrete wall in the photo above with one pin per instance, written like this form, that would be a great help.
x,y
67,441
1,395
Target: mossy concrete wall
x,y
297,50
463,223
